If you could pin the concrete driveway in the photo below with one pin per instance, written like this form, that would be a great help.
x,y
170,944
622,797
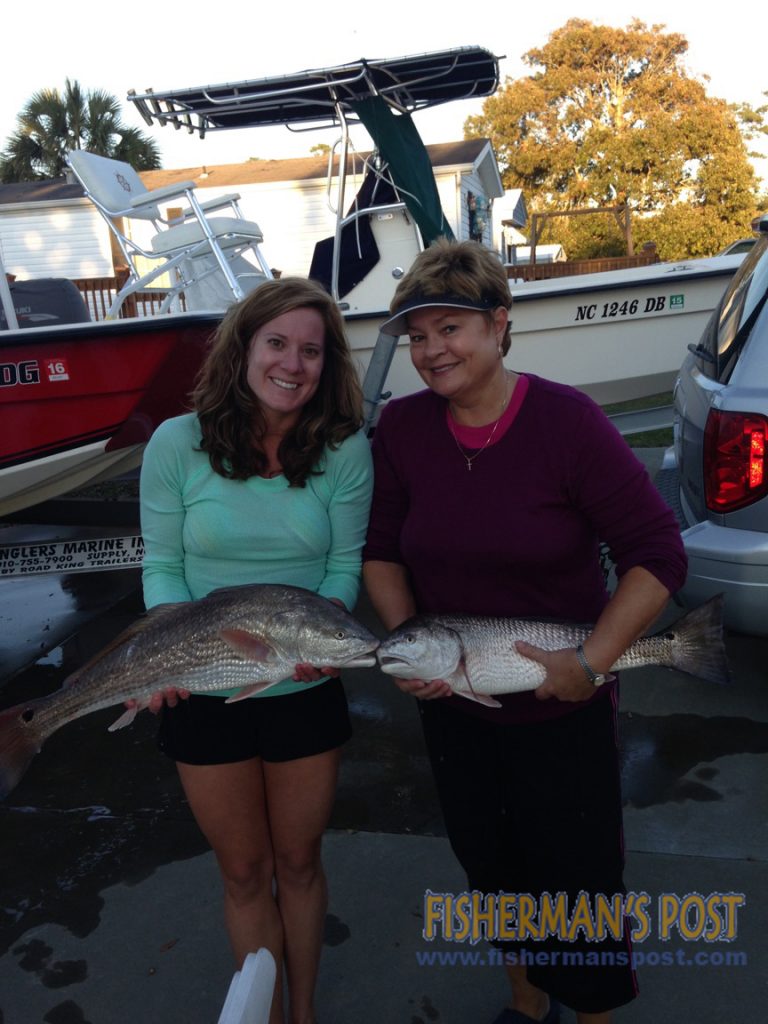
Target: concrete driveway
x,y
110,905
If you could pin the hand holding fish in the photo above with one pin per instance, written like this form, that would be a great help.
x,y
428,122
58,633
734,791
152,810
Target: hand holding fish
x,y
424,689
306,673
155,703
565,679
480,657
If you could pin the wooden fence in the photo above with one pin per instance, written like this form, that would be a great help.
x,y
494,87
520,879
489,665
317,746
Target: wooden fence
x,y
566,268
99,293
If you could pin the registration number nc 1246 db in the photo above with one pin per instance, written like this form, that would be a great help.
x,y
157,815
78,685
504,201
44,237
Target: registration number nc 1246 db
x,y
628,307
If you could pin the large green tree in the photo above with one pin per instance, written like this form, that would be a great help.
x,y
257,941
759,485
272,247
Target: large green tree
x,y
611,115
52,123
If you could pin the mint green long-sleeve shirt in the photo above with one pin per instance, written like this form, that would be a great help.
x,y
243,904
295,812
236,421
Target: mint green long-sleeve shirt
x,y
202,531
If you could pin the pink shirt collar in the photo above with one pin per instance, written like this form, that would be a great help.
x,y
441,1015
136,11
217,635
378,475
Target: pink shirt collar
x,y
476,437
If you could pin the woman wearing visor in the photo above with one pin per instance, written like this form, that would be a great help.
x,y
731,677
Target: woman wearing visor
x,y
493,492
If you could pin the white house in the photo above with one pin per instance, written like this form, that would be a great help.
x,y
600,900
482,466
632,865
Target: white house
x,y
49,229
510,217
289,199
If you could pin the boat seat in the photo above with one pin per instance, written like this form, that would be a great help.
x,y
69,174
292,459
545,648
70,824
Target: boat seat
x,y
227,231
189,247
358,251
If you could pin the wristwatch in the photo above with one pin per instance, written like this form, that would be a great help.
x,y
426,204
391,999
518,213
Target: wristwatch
x,y
596,678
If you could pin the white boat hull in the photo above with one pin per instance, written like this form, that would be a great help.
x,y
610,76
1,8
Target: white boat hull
x,y
30,483
616,336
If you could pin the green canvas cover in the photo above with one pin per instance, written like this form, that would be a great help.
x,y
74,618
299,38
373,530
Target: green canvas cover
x,y
397,139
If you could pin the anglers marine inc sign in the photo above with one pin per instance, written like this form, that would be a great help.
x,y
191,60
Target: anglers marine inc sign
x,y
71,556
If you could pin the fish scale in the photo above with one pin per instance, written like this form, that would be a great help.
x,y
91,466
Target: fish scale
x,y
491,662
477,656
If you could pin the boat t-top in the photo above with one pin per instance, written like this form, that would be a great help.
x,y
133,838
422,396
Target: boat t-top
x,y
396,211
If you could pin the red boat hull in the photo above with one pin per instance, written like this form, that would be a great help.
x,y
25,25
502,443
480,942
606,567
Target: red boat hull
x,y
91,387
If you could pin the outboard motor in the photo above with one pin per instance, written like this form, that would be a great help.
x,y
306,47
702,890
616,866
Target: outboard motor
x,y
46,302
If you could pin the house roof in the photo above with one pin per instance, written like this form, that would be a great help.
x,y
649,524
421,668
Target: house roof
x,y
255,171
54,190
510,209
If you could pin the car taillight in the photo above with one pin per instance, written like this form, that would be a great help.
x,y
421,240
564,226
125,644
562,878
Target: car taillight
x,y
735,472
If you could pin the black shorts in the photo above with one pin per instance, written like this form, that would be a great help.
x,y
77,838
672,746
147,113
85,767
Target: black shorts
x,y
536,808
207,730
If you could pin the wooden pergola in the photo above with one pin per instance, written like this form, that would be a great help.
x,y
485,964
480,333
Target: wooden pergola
x,y
621,213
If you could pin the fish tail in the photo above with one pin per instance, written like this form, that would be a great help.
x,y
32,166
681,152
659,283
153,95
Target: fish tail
x,y
20,740
698,647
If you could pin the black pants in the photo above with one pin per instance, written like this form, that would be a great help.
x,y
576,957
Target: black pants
x,y
207,730
534,809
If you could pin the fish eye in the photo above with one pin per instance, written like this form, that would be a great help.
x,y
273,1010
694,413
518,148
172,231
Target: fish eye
x,y
410,638
340,634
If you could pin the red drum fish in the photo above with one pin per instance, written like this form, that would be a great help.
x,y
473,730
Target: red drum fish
x,y
478,658
246,638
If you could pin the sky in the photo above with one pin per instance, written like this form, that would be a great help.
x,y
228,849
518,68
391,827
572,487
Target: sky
x,y
109,49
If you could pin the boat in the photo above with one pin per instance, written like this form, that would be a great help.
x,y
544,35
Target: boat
x,y
616,335
396,211
78,402
84,398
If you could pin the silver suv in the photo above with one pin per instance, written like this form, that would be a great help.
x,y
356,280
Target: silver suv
x,y
717,471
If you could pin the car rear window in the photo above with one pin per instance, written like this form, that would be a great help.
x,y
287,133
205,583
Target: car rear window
x,y
735,315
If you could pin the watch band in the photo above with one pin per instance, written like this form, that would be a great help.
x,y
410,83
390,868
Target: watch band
x,y
596,678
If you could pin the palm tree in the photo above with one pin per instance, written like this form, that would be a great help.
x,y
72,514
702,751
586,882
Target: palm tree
x,y
50,124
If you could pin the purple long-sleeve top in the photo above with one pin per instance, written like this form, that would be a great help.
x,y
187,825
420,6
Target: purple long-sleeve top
x,y
519,534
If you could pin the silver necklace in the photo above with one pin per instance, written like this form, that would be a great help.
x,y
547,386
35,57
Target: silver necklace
x,y
469,459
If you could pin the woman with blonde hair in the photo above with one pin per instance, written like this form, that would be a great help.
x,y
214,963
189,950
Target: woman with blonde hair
x,y
267,481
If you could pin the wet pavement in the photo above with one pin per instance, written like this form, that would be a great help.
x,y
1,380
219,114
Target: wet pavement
x,y
109,899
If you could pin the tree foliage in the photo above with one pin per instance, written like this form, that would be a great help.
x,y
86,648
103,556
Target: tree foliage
x,y
52,123
611,115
